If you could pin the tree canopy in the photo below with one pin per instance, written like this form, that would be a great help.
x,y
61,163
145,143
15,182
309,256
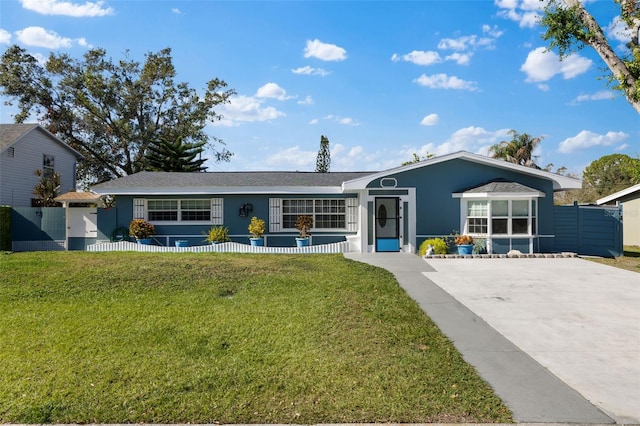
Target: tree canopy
x,y
416,159
570,27
176,156
112,112
323,160
519,150
611,173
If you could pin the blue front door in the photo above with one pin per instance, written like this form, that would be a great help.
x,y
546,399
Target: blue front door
x,y
387,219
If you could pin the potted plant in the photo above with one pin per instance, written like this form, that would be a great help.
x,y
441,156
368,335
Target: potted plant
x,y
256,229
218,234
141,230
464,243
303,224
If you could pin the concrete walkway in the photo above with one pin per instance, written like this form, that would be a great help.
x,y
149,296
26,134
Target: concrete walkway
x,y
533,392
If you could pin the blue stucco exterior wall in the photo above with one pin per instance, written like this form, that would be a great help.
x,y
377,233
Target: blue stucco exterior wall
x,y
438,213
122,214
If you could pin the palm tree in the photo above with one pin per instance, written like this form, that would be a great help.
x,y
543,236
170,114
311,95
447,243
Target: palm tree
x,y
519,150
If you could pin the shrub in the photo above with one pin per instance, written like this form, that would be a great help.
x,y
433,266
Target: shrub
x,y
464,240
439,246
141,229
303,224
256,227
5,228
218,234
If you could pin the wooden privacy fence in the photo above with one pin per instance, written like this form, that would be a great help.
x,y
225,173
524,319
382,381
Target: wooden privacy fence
x,y
589,230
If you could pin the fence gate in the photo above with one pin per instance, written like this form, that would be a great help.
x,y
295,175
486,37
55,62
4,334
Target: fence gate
x,y
588,230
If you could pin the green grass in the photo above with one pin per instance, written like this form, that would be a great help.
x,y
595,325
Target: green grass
x,y
630,260
204,338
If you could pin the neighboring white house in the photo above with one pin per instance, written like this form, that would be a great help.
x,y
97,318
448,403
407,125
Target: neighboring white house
x,y
630,200
25,148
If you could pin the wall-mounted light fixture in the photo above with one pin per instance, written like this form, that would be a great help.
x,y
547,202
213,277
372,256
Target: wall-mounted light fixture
x,y
246,209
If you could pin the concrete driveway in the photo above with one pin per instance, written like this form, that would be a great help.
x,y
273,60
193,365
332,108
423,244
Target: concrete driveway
x,y
578,319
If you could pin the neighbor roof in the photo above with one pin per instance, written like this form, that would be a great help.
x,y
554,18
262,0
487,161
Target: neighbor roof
x,y
158,183
620,195
11,133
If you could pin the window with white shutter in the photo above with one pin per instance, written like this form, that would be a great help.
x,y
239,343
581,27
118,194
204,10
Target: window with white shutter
x,y
275,214
139,208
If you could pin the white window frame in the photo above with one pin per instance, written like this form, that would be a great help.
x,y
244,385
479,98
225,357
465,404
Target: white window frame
x,y
276,214
141,211
532,214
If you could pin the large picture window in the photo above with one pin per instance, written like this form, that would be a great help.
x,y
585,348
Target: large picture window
x,y
180,211
326,213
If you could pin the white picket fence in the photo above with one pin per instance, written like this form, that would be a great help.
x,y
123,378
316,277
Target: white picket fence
x,y
340,247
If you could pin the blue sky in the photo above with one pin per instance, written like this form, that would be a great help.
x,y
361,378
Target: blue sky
x,y
381,79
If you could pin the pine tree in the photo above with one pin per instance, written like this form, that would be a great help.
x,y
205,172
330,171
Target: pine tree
x,y
176,156
323,160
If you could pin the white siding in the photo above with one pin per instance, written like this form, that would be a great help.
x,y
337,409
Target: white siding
x,y
17,173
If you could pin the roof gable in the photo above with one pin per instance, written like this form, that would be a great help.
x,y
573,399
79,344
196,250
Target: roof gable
x,y
11,133
559,182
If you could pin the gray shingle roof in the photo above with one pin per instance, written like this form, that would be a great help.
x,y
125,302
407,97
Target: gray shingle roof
x,y
195,181
9,133
498,186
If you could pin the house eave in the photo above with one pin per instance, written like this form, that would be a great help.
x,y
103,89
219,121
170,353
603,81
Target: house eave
x,y
510,195
560,183
221,190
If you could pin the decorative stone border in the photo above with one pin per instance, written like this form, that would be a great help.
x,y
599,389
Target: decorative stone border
x,y
503,256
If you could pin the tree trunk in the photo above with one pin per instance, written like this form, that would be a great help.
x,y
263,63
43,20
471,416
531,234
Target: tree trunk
x,y
599,42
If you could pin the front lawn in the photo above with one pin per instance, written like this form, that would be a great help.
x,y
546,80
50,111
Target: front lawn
x,y
205,338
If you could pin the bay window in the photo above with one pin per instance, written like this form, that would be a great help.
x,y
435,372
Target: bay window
x,y
503,217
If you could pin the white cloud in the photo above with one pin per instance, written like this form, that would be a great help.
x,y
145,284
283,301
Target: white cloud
x,y
542,65
292,158
618,30
526,13
246,109
430,120
307,70
38,36
443,81
176,11
5,36
324,51
473,139
67,8
306,101
418,57
313,121
586,139
342,120
471,42
598,96
459,58
272,90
